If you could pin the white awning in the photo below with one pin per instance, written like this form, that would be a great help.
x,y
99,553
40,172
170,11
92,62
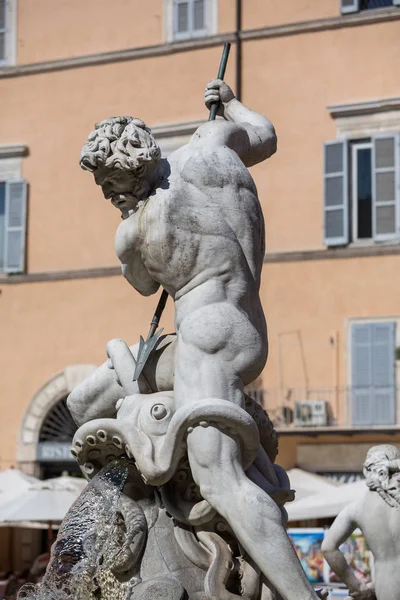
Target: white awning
x,y
326,504
43,501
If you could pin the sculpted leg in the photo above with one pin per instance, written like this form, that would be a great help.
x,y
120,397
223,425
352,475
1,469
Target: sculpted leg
x,y
254,517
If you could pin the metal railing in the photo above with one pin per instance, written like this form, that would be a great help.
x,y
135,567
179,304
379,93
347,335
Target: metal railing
x,y
330,407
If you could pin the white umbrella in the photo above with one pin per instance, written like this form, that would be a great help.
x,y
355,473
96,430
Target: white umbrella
x,y
43,501
13,482
308,484
326,504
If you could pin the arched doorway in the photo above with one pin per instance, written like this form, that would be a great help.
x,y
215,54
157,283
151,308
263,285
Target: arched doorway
x,y
47,428
55,439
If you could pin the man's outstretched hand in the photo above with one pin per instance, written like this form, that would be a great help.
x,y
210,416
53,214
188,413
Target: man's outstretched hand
x,y
217,91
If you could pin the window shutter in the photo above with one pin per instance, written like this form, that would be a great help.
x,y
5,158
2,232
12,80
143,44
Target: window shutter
x,y
383,373
361,377
349,6
385,186
15,221
3,28
373,374
336,209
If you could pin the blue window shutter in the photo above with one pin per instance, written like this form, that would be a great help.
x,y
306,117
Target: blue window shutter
x,y
385,186
336,201
15,226
349,6
373,374
361,348
383,373
3,30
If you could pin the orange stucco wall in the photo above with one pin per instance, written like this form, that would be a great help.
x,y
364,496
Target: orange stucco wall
x,y
269,13
293,91
49,30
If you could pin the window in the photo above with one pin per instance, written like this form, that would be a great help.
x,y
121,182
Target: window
x,y
349,6
3,31
373,391
8,13
361,190
361,161
189,18
186,19
12,225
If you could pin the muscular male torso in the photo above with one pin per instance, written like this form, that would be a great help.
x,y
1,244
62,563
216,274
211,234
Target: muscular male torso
x,y
201,236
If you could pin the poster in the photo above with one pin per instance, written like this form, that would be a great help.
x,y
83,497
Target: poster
x,y
358,556
307,543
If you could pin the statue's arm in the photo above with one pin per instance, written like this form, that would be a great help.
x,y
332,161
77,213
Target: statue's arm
x,y
342,527
96,396
251,135
132,266
136,273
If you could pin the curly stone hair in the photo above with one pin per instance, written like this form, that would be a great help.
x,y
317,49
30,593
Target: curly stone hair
x,y
120,143
382,472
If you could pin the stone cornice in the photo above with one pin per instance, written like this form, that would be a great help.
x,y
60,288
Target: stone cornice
x,y
317,25
343,430
14,151
369,107
175,129
333,253
341,21
60,275
277,257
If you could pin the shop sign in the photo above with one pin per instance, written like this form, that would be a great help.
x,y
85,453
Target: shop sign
x,y
54,452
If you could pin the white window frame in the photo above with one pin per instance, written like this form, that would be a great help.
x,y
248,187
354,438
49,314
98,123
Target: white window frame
x,y
356,7
10,30
211,22
354,200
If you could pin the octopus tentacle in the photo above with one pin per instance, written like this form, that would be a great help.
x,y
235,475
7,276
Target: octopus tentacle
x,y
156,461
220,567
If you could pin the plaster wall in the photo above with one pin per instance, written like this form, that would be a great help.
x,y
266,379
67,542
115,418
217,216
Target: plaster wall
x,y
49,30
330,452
319,299
269,13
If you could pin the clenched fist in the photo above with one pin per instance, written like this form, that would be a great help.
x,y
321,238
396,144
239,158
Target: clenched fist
x,y
218,92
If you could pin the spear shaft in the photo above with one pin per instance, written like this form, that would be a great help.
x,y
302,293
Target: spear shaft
x,y
146,347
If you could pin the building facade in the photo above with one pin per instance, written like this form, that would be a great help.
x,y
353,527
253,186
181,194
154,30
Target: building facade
x,y
326,74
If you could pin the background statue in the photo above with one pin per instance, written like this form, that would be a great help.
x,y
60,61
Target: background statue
x,y
377,515
193,224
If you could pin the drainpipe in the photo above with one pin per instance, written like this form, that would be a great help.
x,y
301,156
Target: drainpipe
x,y
238,41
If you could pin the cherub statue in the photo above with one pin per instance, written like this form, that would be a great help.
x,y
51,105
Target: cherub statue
x,y
377,514
193,224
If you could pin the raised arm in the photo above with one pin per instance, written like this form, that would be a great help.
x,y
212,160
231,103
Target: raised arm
x,y
342,527
251,135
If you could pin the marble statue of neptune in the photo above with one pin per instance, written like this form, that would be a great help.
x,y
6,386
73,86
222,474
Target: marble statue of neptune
x,y
193,224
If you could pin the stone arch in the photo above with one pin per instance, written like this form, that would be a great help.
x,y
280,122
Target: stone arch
x,y
52,392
